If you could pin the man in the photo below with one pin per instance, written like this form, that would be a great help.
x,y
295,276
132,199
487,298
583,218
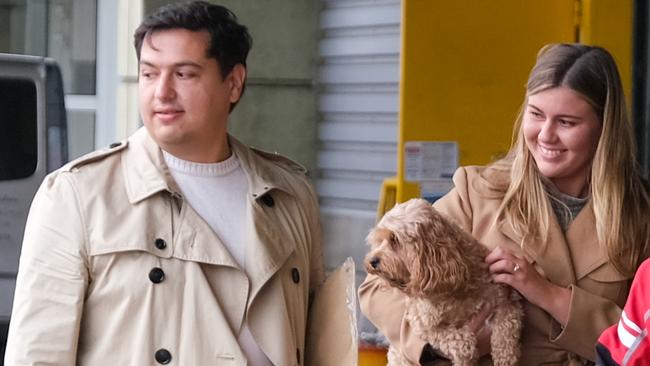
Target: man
x,y
180,245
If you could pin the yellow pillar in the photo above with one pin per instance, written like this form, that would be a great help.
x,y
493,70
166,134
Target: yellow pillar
x,y
609,23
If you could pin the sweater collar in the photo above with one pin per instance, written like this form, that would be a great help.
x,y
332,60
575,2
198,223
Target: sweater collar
x,y
146,173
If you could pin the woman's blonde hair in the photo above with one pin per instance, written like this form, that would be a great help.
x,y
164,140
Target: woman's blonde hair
x,y
618,191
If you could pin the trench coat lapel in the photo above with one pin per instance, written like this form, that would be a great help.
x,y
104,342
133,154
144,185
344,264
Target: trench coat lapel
x,y
145,172
196,241
264,226
145,175
267,318
553,256
264,244
583,241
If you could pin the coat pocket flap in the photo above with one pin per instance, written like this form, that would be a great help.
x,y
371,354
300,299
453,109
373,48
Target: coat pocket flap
x,y
158,245
607,273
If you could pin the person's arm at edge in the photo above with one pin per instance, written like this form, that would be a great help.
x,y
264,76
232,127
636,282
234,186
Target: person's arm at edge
x,y
52,279
610,349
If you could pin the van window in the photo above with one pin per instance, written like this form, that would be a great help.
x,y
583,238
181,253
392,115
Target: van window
x,y
18,131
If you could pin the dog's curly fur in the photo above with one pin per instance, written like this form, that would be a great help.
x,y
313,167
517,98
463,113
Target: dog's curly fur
x,y
441,269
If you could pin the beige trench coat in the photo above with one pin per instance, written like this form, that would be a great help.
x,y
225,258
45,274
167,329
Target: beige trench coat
x,y
574,260
104,229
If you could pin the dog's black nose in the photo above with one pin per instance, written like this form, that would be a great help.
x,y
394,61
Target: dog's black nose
x,y
374,263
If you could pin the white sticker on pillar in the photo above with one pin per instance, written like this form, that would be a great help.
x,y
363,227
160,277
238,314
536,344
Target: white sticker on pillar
x,y
430,160
432,164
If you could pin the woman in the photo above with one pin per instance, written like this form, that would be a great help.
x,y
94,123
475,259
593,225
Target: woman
x,y
565,213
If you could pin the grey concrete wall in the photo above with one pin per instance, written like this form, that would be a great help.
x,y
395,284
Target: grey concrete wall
x,y
278,111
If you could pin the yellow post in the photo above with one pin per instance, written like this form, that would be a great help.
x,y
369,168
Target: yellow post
x,y
608,23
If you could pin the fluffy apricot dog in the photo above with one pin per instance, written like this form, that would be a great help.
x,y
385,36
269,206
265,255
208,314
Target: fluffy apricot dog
x,y
442,271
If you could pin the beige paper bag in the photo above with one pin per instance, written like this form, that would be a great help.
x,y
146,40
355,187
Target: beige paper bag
x,y
332,338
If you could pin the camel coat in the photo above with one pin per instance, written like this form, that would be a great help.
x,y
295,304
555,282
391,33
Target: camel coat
x,y
573,259
117,269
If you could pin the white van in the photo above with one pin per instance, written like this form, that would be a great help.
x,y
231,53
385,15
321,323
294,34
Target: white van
x,y
33,142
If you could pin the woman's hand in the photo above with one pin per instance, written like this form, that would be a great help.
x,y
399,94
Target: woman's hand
x,y
478,325
522,276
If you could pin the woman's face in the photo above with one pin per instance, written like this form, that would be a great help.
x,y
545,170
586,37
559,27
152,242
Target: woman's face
x,y
562,130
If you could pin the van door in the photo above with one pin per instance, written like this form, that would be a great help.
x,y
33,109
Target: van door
x,y
33,142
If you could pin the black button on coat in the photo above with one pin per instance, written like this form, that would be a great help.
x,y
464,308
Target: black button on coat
x,y
163,356
156,275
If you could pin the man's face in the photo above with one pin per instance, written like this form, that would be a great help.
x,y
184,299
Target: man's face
x,y
184,101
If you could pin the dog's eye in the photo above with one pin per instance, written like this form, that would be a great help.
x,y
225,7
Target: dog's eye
x,y
393,242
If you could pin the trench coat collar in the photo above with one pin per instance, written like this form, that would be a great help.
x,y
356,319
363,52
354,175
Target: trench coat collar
x,y
263,175
144,168
587,253
553,255
565,257
264,233
146,173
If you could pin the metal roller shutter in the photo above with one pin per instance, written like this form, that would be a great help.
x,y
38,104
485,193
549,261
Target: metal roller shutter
x,y
358,105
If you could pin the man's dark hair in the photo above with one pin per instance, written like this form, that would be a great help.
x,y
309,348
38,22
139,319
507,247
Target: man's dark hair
x,y
229,40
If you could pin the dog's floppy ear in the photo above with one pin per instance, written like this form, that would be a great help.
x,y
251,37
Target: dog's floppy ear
x,y
438,266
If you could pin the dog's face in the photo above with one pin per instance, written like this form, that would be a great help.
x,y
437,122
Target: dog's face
x,y
387,258
416,249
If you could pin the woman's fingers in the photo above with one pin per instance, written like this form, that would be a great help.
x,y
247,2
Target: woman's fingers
x,y
495,254
498,254
505,266
503,261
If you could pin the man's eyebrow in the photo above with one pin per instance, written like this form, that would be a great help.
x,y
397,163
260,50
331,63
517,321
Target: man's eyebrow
x,y
188,64
175,65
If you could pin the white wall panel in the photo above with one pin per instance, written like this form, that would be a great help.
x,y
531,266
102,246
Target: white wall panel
x,y
380,44
358,103
366,72
342,14
355,190
357,161
358,131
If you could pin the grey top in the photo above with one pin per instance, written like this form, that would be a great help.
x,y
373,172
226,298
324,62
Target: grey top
x,y
566,207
